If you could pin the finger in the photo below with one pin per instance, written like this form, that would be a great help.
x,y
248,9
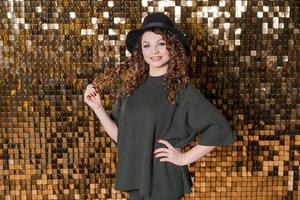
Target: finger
x,y
91,89
87,98
166,143
94,85
161,155
90,86
160,150
164,160
90,92
93,99
95,88
87,94
95,94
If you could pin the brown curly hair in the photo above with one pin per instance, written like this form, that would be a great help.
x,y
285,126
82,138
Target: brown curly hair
x,y
135,70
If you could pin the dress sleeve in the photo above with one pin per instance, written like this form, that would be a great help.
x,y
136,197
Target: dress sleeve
x,y
116,112
207,123
116,108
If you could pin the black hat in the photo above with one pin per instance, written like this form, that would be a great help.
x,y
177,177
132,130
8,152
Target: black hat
x,y
159,20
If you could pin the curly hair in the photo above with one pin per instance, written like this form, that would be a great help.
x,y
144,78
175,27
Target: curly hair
x,y
135,70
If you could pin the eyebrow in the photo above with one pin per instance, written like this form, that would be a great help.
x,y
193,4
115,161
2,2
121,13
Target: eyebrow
x,y
156,41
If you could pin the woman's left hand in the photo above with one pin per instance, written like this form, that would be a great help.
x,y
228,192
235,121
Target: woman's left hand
x,y
170,154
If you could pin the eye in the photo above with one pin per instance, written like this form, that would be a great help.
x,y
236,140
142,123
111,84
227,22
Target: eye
x,y
162,44
146,46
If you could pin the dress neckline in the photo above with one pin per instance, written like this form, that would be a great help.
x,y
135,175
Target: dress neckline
x,y
155,80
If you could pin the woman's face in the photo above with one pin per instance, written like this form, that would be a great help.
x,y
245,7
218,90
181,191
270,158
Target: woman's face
x,y
154,50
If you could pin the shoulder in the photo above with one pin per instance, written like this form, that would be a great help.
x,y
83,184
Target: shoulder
x,y
191,94
192,98
120,99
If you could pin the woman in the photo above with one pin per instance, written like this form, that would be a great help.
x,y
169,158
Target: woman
x,y
157,112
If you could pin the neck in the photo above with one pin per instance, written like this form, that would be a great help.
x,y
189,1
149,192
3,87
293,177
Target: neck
x,y
157,72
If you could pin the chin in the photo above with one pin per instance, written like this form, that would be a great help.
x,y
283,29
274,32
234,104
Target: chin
x,y
158,65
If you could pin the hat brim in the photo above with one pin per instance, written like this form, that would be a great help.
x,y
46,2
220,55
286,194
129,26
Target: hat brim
x,y
133,36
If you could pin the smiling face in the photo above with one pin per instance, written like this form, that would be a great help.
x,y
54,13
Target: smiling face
x,y
155,53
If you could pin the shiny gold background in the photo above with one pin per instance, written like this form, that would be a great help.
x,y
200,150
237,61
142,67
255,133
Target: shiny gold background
x,y
245,60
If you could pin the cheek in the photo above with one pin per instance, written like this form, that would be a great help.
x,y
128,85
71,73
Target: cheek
x,y
145,53
167,55
164,51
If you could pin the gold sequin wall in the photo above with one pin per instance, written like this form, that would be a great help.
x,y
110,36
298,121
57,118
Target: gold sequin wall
x,y
245,60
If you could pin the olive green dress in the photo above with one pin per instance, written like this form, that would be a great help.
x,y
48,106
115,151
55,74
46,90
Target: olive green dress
x,y
146,116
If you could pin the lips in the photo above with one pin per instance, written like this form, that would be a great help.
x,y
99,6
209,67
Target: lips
x,y
156,58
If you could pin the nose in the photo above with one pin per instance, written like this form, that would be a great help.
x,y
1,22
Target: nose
x,y
155,50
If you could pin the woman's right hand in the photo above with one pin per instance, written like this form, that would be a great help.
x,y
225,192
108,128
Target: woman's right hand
x,y
92,97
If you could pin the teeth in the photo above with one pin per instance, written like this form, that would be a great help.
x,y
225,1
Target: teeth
x,y
156,58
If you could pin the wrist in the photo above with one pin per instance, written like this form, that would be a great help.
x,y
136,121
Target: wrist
x,y
97,106
185,159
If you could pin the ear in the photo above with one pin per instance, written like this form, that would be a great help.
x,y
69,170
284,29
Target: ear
x,y
187,59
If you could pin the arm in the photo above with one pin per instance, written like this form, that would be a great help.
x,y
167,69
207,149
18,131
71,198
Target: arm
x,y
174,155
196,153
108,124
92,98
